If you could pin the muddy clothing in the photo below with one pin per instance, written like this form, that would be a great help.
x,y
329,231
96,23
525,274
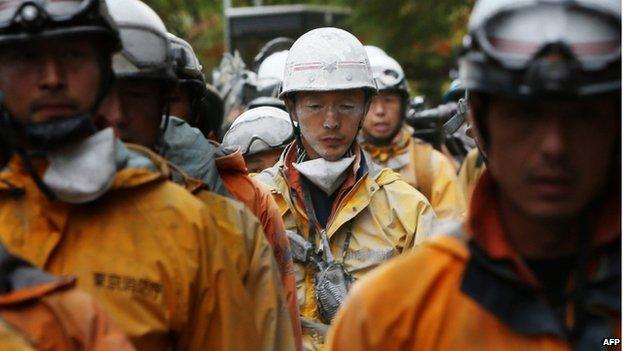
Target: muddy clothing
x,y
184,143
147,250
382,215
424,168
250,252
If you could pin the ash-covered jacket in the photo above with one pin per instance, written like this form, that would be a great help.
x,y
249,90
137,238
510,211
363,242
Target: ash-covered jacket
x,y
147,250
424,168
385,216
41,312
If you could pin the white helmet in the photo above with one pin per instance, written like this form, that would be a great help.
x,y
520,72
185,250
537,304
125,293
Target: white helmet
x,y
273,66
327,59
387,72
374,50
260,129
145,52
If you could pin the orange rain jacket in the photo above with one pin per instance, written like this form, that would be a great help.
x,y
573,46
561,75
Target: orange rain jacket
x,y
147,250
257,197
226,175
472,291
42,312
250,252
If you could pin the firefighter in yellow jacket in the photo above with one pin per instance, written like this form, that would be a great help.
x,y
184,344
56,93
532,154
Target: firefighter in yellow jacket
x,y
390,143
134,109
75,200
537,266
345,215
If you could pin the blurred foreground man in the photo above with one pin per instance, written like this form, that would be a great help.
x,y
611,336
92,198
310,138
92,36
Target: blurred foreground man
x,y
345,215
74,200
537,264
134,109
390,143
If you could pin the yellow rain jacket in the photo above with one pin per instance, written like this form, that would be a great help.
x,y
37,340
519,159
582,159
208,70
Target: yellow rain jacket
x,y
147,250
250,252
385,216
471,169
424,168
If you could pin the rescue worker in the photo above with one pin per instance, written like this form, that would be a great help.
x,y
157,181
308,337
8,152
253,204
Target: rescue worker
x,y
389,141
262,134
74,200
537,265
223,171
192,99
345,215
41,312
134,109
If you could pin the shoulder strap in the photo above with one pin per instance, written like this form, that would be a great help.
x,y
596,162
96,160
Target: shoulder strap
x,y
422,164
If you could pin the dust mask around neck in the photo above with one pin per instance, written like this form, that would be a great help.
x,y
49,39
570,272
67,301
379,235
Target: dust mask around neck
x,y
326,175
83,171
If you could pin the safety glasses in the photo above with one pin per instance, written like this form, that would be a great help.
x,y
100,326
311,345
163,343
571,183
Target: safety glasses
x,y
19,11
515,37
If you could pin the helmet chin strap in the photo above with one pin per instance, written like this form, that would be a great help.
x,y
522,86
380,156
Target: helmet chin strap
x,y
48,135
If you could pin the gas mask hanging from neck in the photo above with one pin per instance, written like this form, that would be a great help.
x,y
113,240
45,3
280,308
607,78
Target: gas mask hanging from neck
x,y
326,175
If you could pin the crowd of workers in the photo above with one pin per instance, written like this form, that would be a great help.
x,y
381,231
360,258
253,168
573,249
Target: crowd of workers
x,y
142,208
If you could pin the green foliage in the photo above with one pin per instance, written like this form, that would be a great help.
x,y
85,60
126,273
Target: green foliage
x,y
423,35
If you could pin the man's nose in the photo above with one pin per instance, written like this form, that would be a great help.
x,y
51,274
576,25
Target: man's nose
x,y
331,118
553,143
52,74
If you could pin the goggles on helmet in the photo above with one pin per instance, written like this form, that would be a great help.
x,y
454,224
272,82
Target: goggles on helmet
x,y
34,12
260,133
514,37
143,47
388,79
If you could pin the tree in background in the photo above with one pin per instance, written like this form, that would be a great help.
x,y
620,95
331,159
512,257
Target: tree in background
x,y
423,35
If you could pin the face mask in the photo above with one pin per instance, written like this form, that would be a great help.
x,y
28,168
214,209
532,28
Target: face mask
x,y
326,175
83,171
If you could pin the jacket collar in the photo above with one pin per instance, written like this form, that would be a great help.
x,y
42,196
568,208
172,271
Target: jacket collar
x,y
398,146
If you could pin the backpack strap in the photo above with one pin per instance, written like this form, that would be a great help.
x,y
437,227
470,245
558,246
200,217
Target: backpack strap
x,y
424,171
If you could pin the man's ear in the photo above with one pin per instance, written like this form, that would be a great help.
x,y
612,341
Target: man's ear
x,y
291,108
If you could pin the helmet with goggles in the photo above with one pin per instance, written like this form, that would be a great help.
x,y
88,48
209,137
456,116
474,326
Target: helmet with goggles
x,y
387,72
327,59
543,47
260,129
36,20
24,21
145,47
